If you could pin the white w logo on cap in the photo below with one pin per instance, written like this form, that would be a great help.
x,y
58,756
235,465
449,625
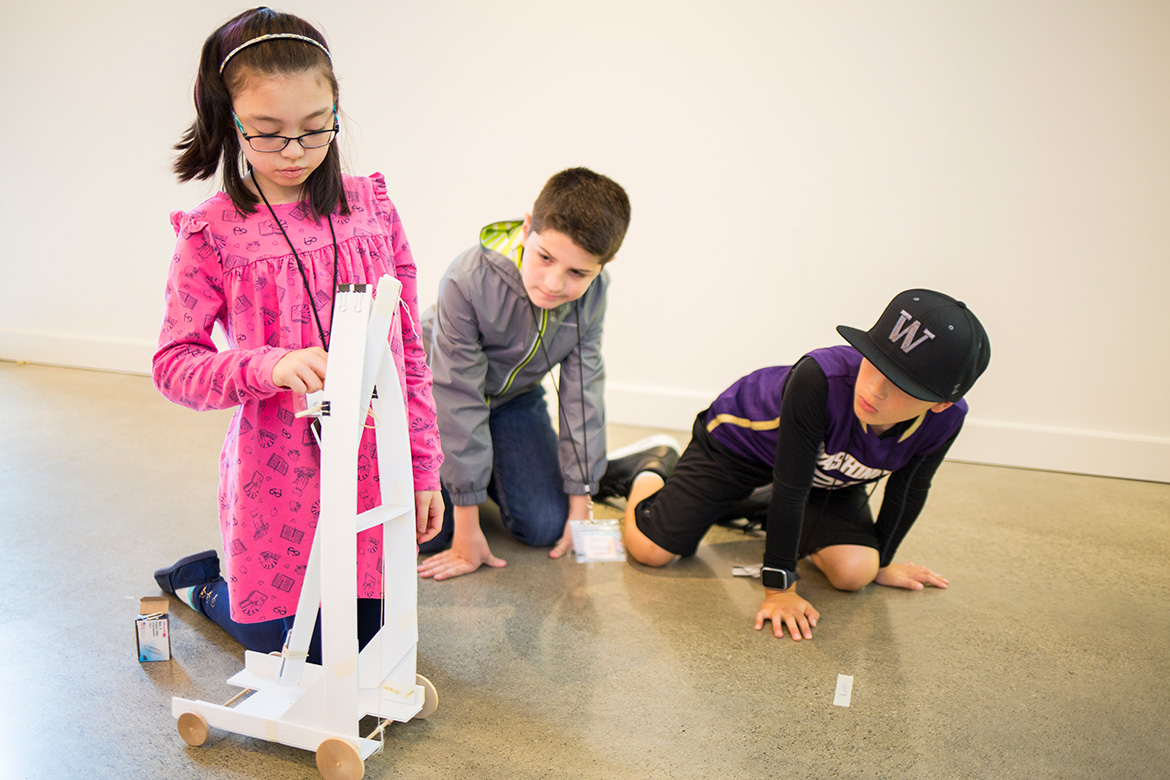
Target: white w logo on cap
x,y
908,332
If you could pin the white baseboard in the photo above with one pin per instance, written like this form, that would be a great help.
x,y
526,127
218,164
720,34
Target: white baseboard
x,y
654,407
1099,453
132,356
1103,454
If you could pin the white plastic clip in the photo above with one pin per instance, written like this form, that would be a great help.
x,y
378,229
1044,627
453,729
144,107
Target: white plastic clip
x,y
320,410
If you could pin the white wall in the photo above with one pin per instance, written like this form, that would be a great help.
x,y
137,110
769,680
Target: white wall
x,y
791,164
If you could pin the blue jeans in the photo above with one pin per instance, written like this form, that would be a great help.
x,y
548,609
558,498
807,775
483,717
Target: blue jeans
x,y
213,601
526,481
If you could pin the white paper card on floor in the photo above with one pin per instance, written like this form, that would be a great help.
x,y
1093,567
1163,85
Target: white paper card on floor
x,y
844,693
318,707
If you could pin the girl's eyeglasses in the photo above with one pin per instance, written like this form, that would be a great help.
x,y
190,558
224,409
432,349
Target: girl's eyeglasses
x,y
276,143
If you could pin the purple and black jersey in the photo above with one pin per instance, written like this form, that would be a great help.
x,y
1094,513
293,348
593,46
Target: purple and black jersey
x,y
801,421
745,419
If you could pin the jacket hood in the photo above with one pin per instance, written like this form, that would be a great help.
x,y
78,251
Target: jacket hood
x,y
503,245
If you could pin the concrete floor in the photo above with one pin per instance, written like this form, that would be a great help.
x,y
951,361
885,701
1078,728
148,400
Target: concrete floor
x,y
1046,658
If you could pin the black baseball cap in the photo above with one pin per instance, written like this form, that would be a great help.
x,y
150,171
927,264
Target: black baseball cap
x,y
927,343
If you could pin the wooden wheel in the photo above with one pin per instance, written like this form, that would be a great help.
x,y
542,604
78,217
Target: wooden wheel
x,y
431,698
339,760
193,728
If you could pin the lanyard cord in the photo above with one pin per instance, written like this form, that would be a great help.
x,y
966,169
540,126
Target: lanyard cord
x,y
581,379
301,267
581,388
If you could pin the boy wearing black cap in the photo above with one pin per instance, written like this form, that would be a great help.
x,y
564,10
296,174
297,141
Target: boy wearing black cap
x,y
818,432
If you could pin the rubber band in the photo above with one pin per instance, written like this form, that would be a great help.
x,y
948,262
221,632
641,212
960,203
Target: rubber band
x,y
406,310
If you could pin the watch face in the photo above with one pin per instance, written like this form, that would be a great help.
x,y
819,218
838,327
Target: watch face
x,y
777,579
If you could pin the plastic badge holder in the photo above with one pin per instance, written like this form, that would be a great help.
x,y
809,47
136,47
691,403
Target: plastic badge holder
x,y
597,540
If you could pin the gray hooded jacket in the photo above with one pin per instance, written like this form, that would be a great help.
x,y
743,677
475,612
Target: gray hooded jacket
x,y
483,340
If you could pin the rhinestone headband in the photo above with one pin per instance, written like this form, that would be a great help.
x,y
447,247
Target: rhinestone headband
x,y
270,37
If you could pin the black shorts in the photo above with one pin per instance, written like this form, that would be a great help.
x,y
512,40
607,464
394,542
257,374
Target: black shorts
x,y
709,480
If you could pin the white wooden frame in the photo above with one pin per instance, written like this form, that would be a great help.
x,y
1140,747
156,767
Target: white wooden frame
x,y
318,707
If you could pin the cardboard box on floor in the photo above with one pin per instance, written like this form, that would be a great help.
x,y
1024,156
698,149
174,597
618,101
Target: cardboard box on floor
x,y
154,629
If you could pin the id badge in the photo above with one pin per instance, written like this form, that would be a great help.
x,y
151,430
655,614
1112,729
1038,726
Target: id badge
x,y
597,540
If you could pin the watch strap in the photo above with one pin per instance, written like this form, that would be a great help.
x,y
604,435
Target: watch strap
x,y
778,579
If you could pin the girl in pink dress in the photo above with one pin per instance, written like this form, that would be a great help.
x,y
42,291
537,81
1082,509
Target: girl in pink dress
x,y
262,259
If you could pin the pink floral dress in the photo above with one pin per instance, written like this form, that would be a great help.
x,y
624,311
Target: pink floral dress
x,y
238,271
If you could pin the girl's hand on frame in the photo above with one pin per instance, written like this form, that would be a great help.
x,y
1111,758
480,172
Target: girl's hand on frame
x,y
302,370
428,514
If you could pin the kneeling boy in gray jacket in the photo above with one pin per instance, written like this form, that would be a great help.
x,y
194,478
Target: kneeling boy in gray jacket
x,y
529,296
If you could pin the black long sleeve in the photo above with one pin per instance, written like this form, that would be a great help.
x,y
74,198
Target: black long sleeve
x,y
802,427
804,418
904,498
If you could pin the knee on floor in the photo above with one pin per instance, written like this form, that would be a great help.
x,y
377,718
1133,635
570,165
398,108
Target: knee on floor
x,y
647,552
849,571
850,580
545,536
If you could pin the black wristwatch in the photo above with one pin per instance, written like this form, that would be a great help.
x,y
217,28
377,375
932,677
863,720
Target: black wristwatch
x,y
778,579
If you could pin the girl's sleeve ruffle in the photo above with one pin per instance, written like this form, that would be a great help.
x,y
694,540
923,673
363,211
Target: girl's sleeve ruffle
x,y
379,182
425,448
388,214
187,223
187,368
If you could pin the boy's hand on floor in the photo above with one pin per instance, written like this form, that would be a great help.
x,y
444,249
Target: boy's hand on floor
x,y
786,609
464,557
580,508
563,544
909,576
